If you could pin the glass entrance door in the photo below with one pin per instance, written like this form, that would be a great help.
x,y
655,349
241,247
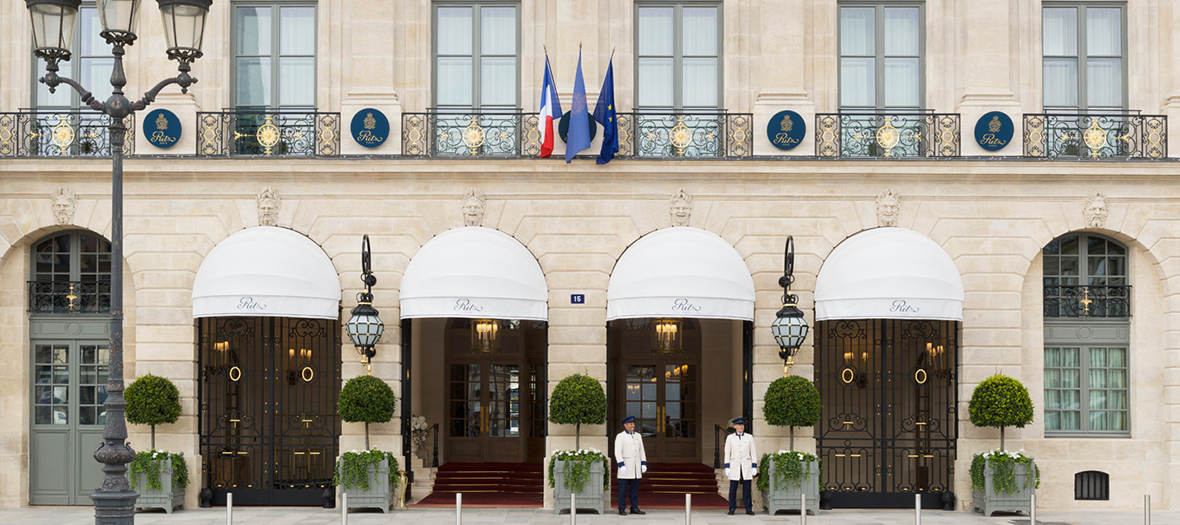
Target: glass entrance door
x,y
484,419
663,397
69,389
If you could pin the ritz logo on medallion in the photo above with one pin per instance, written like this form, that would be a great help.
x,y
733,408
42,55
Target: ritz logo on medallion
x,y
162,128
370,128
786,130
994,130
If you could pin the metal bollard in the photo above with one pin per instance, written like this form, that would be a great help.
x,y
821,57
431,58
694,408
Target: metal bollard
x,y
573,509
229,508
1147,509
458,508
917,509
688,509
1032,503
803,509
343,508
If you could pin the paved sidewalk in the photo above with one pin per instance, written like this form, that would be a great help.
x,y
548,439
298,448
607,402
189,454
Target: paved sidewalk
x,y
436,516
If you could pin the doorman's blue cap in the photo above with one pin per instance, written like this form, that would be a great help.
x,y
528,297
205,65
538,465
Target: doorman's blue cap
x,y
739,420
628,419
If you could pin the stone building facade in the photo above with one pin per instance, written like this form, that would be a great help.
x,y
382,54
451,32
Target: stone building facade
x,y
1001,218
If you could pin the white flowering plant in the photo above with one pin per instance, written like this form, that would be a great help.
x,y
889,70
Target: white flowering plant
x,y
419,431
148,463
1003,464
789,467
578,471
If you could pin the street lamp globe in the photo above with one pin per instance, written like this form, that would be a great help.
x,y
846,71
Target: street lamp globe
x,y
53,27
789,329
118,20
365,329
184,27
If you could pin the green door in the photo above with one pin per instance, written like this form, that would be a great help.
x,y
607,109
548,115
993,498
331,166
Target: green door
x,y
68,389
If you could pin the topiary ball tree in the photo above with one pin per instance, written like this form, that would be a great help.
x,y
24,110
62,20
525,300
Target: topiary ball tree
x,y
1000,401
792,401
366,399
152,400
578,399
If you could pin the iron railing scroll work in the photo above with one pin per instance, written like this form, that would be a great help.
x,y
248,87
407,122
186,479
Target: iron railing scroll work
x,y
82,297
1092,301
670,135
915,134
268,133
59,133
1095,136
470,133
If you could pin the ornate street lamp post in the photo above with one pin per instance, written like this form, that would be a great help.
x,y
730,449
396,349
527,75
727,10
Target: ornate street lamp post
x,y
53,30
365,328
789,327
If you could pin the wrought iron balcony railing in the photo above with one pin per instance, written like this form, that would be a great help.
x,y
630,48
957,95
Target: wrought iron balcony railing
x,y
69,297
890,135
1096,135
248,132
1087,301
650,134
459,133
41,133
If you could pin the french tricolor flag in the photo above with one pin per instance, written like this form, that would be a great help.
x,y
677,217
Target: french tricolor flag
x,y
550,111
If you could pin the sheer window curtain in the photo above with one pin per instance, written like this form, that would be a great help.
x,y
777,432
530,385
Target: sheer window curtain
x,y
1083,73
656,56
880,58
477,58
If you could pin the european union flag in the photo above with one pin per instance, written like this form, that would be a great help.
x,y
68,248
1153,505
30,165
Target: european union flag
x,y
578,137
604,113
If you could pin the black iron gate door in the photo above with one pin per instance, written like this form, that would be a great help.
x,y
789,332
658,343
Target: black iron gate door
x,y
268,421
889,419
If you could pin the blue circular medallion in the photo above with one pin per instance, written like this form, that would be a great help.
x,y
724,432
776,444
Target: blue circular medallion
x,y
162,128
994,130
370,128
786,130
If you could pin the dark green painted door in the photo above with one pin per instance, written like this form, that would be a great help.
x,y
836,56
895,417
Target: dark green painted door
x,y
68,389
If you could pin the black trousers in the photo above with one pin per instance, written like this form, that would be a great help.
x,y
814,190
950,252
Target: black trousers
x,y
733,484
628,486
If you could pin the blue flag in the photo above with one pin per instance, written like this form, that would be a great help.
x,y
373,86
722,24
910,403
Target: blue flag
x,y
578,137
604,113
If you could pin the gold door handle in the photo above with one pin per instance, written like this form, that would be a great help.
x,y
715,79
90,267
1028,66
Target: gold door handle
x,y
483,420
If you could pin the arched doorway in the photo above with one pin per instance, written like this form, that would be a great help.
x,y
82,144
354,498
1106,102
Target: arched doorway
x,y
889,303
475,331
680,308
267,307
69,307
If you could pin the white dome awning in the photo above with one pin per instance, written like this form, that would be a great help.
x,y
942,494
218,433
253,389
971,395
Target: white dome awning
x,y
680,272
475,273
270,272
889,273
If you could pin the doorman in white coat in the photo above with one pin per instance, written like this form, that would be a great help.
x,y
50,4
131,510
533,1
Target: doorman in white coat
x,y
741,464
632,462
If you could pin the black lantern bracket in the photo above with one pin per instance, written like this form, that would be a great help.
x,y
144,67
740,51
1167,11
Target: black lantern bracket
x,y
789,328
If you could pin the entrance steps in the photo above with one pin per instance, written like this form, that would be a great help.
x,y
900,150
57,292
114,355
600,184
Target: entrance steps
x,y
665,484
423,479
487,485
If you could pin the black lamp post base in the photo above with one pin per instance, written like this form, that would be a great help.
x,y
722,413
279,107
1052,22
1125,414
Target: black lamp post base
x,y
114,508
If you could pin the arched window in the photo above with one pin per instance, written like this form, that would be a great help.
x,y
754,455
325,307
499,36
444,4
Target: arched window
x,y
71,273
1087,318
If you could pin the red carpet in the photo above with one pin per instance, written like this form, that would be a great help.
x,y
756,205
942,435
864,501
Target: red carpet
x,y
665,484
488,485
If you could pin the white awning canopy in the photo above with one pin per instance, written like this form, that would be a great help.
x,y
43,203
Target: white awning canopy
x,y
270,272
889,273
680,272
475,273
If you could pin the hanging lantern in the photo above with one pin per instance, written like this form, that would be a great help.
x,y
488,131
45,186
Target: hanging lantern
x,y
667,335
789,327
485,336
365,328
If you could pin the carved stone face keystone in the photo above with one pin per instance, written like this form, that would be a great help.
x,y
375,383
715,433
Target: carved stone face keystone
x,y
473,207
888,208
680,207
268,207
1096,211
64,204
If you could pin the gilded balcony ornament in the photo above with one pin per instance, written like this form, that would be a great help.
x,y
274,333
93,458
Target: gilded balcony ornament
x,y
210,129
680,135
473,135
63,135
1094,137
268,134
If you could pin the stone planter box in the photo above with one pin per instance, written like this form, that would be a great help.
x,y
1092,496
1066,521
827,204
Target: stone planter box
x,y
591,496
380,494
169,496
784,496
989,501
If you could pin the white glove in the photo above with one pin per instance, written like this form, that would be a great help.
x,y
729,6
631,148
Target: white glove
x,y
622,471
729,473
643,469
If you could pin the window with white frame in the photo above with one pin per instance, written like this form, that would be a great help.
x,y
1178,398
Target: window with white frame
x,y
476,55
678,55
1084,62
274,54
881,49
